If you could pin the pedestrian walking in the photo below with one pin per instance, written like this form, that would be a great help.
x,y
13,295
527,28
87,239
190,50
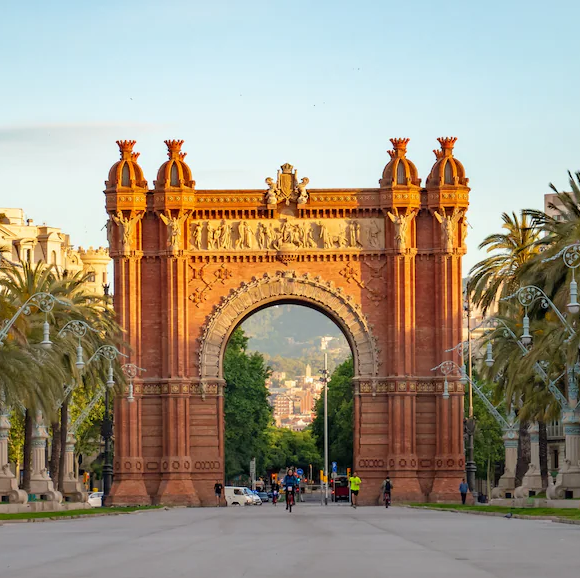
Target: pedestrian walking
x,y
386,489
463,489
218,489
355,483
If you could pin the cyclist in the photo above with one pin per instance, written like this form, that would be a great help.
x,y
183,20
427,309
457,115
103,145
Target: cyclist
x,y
387,488
290,483
275,492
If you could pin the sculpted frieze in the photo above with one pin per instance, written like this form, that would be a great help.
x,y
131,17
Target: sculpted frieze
x,y
287,233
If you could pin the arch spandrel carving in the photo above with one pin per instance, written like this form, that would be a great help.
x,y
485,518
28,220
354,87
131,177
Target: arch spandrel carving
x,y
286,285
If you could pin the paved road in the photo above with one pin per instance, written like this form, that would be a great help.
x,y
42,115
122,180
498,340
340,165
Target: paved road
x,y
266,542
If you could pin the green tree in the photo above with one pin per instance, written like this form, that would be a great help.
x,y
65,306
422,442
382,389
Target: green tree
x,y
488,438
247,411
340,416
292,448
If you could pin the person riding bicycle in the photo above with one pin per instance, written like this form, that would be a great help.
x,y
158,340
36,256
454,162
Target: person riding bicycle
x,y
275,492
387,488
290,484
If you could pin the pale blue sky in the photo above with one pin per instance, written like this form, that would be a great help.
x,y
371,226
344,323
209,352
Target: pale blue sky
x,y
251,85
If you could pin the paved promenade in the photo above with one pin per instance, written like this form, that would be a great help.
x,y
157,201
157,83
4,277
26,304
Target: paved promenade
x,y
267,542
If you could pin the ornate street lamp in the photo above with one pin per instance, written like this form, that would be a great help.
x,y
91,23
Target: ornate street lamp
x,y
130,371
45,302
571,257
109,353
79,329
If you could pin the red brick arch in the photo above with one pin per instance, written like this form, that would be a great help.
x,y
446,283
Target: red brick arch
x,y
287,286
384,263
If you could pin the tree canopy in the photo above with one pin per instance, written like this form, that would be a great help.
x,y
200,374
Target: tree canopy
x,y
340,416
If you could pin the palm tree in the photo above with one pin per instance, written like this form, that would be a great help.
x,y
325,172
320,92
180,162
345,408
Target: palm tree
x,y
498,275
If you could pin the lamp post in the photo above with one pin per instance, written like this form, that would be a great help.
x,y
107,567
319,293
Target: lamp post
x,y
325,380
109,353
45,302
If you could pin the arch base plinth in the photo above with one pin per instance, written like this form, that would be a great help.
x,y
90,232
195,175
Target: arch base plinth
x,y
128,492
177,492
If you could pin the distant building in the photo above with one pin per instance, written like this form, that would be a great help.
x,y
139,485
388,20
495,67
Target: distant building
x,y
552,199
308,372
22,240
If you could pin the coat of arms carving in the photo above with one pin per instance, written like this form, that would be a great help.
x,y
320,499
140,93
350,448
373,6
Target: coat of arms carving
x,y
286,188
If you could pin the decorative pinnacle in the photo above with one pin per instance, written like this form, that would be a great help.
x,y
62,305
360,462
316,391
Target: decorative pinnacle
x,y
447,143
173,148
399,147
135,156
126,148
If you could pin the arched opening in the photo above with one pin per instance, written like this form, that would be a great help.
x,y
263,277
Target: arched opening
x,y
401,176
174,178
273,367
53,258
125,176
448,174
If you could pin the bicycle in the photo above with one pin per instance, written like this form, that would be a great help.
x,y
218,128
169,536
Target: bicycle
x,y
290,497
274,498
387,498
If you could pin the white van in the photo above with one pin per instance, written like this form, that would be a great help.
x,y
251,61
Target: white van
x,y
236,496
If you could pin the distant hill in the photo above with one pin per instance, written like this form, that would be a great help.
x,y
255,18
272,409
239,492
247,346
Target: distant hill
x,y
289,336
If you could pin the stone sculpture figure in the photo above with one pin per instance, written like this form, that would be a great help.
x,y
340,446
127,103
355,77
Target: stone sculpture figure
x,y
340,240
272,192
269,236
244,236
373,234
224,235
173,229
262,236
324,235
357,230
309,238
301,190
463,232
448,227
126,225
211,236
401,223
196,230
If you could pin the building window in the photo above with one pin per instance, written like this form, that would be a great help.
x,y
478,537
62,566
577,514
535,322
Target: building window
x,y
174,176
29,255
125,176
555,460
53,258
401,176
448,174
91,277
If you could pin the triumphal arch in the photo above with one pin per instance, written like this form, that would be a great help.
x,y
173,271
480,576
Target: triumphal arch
x,y
383,263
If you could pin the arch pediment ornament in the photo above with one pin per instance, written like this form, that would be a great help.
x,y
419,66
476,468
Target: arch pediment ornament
x,y
287,285
287,188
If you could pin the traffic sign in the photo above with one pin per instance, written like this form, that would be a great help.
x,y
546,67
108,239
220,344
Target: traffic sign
x,y
334,467
299,471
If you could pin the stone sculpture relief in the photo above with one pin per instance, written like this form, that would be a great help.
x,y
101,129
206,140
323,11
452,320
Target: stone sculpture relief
x,y
126,227
272,193
301,190
287,233
287,188
449,227
401,222
174,226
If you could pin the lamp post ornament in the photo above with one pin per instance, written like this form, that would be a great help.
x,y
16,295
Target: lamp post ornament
x,y
109,353
45,302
